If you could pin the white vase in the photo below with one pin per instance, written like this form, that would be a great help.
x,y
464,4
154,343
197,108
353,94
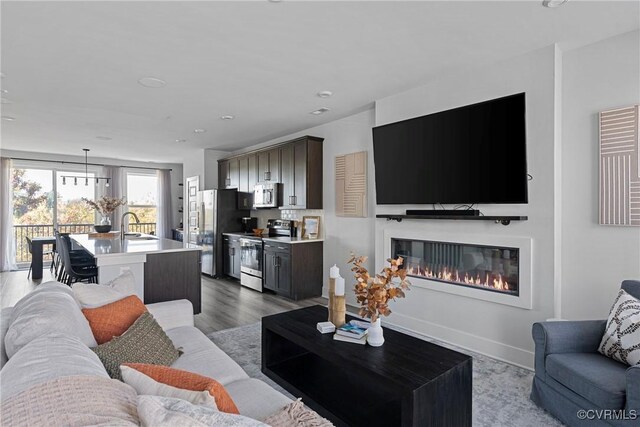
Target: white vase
x,y
375,335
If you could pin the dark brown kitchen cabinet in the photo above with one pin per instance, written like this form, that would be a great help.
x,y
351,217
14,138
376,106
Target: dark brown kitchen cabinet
x,y
269,165
253,171
287,171
296,164
173,275
231,256
223,174
234,173
302,174
243,172
293,270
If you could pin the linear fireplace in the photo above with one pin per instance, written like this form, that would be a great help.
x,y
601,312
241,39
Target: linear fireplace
x,y
494,268
491,268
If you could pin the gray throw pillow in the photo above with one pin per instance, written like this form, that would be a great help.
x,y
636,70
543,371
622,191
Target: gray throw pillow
x,y
143,342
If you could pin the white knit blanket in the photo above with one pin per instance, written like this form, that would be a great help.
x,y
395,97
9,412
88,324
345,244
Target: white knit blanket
x,y
72,401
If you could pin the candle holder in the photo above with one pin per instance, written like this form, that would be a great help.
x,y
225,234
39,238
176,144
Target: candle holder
x,y
332,294
337,305
338,310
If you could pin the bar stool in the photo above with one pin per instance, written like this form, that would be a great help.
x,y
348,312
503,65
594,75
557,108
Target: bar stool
x,y
75,271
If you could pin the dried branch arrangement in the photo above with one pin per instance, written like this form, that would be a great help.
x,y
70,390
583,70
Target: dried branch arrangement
x,y
374,293
105,205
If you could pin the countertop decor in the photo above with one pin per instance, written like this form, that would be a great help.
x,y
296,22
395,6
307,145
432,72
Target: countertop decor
x,y
105,206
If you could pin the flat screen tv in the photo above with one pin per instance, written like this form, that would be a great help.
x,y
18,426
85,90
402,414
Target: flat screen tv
x,y
471,154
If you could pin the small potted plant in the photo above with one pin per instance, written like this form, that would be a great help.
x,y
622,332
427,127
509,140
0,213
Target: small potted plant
x,y
374,293
105,206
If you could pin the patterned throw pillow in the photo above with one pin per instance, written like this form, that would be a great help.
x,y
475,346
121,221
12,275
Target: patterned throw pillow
x,y
189,381
113,319
143,342
160,411
621,340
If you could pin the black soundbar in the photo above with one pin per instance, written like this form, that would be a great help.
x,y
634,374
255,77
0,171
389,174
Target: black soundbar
x,y
443,212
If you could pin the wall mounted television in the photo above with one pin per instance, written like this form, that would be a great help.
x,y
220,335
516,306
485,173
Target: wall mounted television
x,y
471,154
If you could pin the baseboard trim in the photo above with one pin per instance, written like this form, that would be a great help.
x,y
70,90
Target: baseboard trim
x,y
487,347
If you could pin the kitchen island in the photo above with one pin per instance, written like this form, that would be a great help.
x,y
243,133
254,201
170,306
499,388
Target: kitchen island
x,y
163,269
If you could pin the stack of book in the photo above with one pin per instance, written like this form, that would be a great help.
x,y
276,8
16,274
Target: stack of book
x,y
351,332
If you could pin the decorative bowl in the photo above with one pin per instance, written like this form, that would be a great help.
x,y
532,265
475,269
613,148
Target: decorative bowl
x,y
102,228
258,231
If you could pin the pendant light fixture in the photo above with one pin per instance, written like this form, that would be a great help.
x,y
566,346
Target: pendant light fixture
x,y
86,173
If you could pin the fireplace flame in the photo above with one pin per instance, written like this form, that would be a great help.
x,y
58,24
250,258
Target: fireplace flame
x,y
449,275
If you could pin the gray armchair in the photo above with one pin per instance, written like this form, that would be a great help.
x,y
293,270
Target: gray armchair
x,y
570,374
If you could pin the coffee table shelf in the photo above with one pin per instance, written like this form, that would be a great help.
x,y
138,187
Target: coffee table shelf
x,y
406,382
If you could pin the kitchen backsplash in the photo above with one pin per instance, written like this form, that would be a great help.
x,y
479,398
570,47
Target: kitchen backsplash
x,y
264,215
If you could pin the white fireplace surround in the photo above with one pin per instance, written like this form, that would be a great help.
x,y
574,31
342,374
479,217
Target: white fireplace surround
x,y
523,300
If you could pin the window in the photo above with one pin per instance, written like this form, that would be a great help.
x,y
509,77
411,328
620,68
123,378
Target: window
x,y
44,200
71,209
142,199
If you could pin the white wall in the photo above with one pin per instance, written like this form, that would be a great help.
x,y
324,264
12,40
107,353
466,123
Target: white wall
x,y
499,330
595,258
342,235
176,170
204,164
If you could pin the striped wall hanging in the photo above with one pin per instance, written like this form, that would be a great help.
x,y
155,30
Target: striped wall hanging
x,y
351,185
620,167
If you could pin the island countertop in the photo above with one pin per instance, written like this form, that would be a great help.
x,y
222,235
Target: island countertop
x,y
134,245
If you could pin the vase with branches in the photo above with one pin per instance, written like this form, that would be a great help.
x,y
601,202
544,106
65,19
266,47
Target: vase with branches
x,y
374,292
105,206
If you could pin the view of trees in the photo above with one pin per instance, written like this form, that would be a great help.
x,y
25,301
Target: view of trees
x,y
33,204
29,197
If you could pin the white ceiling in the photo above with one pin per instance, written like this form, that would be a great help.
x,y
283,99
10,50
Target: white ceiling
x,y
71,68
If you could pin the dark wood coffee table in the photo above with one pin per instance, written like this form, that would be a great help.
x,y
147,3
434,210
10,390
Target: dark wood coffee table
x,y
406,382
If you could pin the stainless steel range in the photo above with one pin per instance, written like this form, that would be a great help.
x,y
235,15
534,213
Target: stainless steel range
x,y
251,252
251,262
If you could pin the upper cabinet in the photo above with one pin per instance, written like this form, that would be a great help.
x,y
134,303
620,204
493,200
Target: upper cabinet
x,y
296,164
243,172
224,180
269,165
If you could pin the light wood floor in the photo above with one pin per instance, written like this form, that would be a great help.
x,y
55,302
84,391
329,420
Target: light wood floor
x,y
225,304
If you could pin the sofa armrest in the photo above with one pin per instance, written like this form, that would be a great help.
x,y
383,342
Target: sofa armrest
x,y
5,316
577,336
172,314
633,389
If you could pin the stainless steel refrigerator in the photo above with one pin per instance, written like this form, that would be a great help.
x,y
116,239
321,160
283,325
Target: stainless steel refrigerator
x,y
217,213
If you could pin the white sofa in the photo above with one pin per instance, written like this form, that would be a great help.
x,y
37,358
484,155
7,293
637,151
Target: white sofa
x,y
61,357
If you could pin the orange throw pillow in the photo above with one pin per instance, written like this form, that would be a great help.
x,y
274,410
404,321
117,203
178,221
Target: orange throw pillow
x,y
114,319
188,381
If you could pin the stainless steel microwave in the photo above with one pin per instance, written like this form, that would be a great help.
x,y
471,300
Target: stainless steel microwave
x,y
267,195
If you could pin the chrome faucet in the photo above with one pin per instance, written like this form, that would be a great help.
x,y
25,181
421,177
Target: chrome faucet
x,y
122,223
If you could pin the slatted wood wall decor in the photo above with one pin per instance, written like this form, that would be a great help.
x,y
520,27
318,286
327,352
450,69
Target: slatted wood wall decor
x,y
620,167
351,185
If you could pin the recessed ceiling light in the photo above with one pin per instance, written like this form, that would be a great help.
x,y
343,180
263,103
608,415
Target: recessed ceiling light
x,y
181,140
553,3
8,118
199,130
104,138
325,94
227,117
275,1
152,82
4,91
5,101
319,111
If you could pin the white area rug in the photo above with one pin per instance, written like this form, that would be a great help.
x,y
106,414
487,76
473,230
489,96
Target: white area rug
x,y
500,390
